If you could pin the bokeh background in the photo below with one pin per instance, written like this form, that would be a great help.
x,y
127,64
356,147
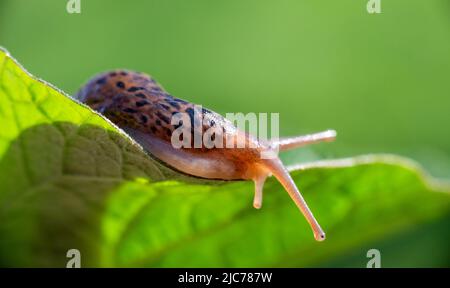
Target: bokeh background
x,y
380,80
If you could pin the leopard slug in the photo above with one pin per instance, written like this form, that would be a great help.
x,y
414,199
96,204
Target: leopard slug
x,y
140,106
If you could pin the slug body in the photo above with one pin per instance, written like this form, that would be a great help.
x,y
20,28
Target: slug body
x,y
141,107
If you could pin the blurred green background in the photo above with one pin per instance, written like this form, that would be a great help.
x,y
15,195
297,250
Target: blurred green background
x,y
382,81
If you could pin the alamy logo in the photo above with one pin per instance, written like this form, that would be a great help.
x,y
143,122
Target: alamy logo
x,y
75,258
375,258
374,7
200,128
73,6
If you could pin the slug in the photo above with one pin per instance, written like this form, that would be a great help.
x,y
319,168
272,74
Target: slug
x,y
140,106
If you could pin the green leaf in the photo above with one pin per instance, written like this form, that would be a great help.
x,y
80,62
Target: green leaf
x,y
69,179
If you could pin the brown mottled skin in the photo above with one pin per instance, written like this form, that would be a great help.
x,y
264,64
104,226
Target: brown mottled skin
x,y
136,100
139,105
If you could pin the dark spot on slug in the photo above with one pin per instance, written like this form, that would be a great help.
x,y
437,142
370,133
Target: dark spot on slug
x,y
168,132
113,74
144,119
153,129
101,81
129,110
120,84
134,89
173,104
158,122
123,73
205,111
163,117
142,103
180,101
165,107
